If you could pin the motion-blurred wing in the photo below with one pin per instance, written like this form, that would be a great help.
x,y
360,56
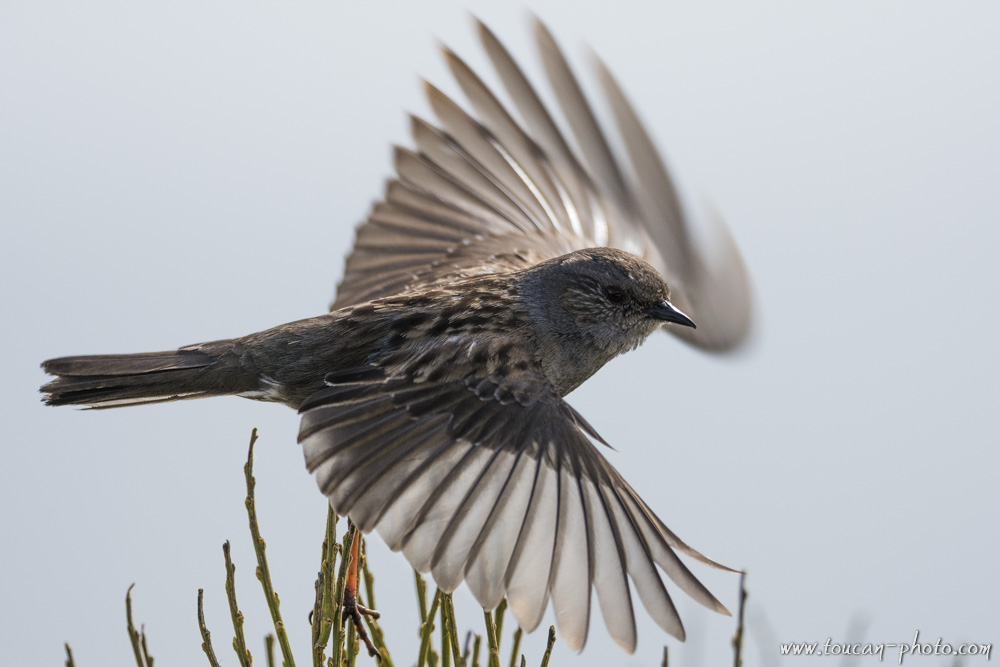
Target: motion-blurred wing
x,y
485,194
491,478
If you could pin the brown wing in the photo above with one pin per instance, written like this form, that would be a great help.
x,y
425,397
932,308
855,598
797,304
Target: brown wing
x,y
485,195
487,476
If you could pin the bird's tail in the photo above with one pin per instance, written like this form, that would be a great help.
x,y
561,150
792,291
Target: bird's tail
x,y
118,380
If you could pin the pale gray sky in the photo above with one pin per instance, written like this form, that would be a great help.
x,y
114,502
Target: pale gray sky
x,y
183,172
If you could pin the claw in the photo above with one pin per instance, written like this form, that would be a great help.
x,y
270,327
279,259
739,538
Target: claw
x,y
352,609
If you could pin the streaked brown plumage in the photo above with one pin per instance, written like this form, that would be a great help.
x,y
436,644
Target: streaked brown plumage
x,y
478,294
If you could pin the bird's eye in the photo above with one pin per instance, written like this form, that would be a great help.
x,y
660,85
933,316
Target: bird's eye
x,y
614,294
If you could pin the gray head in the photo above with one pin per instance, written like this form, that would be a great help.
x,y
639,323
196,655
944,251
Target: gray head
x,y
591,305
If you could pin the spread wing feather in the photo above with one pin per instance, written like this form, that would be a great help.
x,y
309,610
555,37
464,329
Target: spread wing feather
x,y
496,481
500,196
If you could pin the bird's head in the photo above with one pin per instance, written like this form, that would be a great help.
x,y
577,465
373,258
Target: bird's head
x,y
591,305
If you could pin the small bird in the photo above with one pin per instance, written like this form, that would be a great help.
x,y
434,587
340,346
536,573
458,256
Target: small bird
x,y
500,271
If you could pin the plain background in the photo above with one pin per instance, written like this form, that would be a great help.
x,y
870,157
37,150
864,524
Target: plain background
x,y
174,173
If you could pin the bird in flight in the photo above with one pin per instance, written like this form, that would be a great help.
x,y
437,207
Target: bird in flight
x,y
503,267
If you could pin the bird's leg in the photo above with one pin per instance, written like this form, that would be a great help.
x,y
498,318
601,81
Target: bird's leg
x,y
352,609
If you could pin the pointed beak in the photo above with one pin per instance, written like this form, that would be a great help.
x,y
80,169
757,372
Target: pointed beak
x,y
667,312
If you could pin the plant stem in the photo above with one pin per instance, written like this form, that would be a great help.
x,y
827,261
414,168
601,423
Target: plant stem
x,y
516,647
369,578
263,572
378,637
738,637
239,641
491,638
549,645
425,631
269,649
206,636
498,619
133,634
323,607
476,645
421,595
448,616
352,644
145,649
445,633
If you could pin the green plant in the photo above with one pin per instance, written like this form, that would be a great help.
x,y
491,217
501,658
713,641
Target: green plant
x,y
336,637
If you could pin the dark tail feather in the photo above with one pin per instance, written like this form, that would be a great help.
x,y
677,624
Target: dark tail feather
x,y
118,380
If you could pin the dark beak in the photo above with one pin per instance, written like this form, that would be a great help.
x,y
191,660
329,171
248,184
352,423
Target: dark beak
x,y
667,312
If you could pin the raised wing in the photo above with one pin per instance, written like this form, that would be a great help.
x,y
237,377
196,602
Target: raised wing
x,y
485,194
485,475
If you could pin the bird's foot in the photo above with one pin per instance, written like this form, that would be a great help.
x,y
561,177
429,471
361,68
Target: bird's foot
x,y
352,609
